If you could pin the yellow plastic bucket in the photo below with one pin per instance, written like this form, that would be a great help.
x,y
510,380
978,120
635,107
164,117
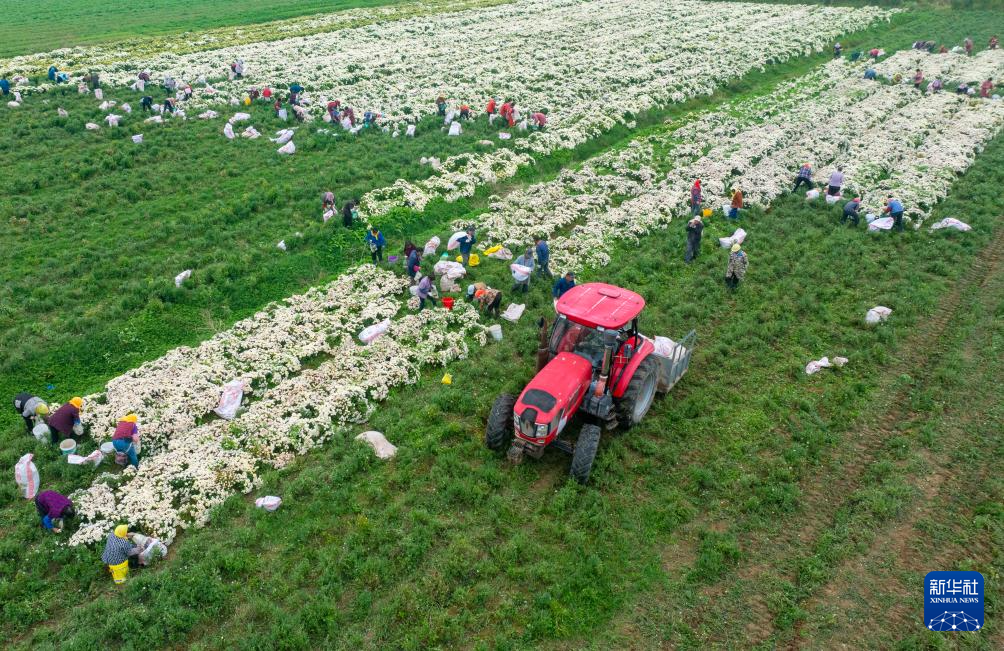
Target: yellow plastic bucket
x,y
708,212
119,571
475,260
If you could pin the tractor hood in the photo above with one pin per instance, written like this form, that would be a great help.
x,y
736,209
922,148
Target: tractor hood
x,y
557,390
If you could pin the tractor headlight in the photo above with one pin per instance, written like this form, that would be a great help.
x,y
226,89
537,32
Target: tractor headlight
x,y
542,431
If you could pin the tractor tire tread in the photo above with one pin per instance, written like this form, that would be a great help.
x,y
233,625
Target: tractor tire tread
x,y
625,406
499,431
585,453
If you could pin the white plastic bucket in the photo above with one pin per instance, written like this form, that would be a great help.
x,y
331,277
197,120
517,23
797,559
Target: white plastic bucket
x,y
68,446
495,331
107,448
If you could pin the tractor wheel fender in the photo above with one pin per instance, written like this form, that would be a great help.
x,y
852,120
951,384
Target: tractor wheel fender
x,y
646,349
499,432
641,391
585,453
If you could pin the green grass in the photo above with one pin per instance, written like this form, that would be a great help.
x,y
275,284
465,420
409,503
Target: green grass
x,y
43,26
447,546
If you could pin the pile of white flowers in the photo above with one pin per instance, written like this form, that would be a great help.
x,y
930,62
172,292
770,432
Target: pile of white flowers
x,y
889,139
589,64
951,68
192,461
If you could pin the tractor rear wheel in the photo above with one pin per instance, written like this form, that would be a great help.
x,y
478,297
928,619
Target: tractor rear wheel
x,y
499,432
585,453
640,394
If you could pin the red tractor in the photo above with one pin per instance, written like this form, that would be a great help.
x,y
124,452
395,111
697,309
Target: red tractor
x,y
595,362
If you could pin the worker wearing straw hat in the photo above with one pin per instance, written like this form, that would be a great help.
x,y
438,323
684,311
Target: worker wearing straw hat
x,y
736,268
117,551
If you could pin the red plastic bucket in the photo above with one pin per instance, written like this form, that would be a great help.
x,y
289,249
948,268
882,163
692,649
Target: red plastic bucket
x,y
448,302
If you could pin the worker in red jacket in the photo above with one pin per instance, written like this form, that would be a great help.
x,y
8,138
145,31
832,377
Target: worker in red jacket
x,y
539,119
490,109
125,438
507,111
65,421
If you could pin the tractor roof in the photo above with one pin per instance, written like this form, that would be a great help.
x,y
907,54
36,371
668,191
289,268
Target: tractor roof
x,y
598,305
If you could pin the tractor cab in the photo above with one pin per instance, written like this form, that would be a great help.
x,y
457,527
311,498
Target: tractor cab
x,y
595,362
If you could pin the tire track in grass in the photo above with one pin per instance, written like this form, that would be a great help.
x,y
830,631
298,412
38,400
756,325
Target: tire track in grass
x,y
903,545
925,351
825,492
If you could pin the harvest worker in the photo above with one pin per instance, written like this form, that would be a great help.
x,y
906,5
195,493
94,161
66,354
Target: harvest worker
x,y
414,263
425,292
695,198
968,44
737,203
53,508
837,49
169,104
935,86
125,438
871,73
564,284
851,211
836,182
4,86
488,299
895,210
466,243
736,268
117,551
539,120
376,241
146,103
31,409
522,281
986,87
804,177
490,109
266,92
695,228
441,106
294,93
348,214
994,43
918,78
52,73
507,112
328,201
543,257
65,421
465,112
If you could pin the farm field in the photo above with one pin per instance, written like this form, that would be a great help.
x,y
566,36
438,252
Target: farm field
x,y
69,23
742,512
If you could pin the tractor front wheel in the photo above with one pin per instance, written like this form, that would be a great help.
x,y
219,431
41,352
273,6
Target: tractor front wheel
x,y
585,453
499,432
640,394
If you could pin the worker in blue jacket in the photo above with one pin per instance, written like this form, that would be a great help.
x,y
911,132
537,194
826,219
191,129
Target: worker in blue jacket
x,y
895,210
466,243
564,284
376,241
543,257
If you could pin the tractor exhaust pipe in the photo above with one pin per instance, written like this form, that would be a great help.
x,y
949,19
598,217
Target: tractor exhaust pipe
x,y
542,348
609,342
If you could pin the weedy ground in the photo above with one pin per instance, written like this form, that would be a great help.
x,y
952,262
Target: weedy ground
x,y
755,506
